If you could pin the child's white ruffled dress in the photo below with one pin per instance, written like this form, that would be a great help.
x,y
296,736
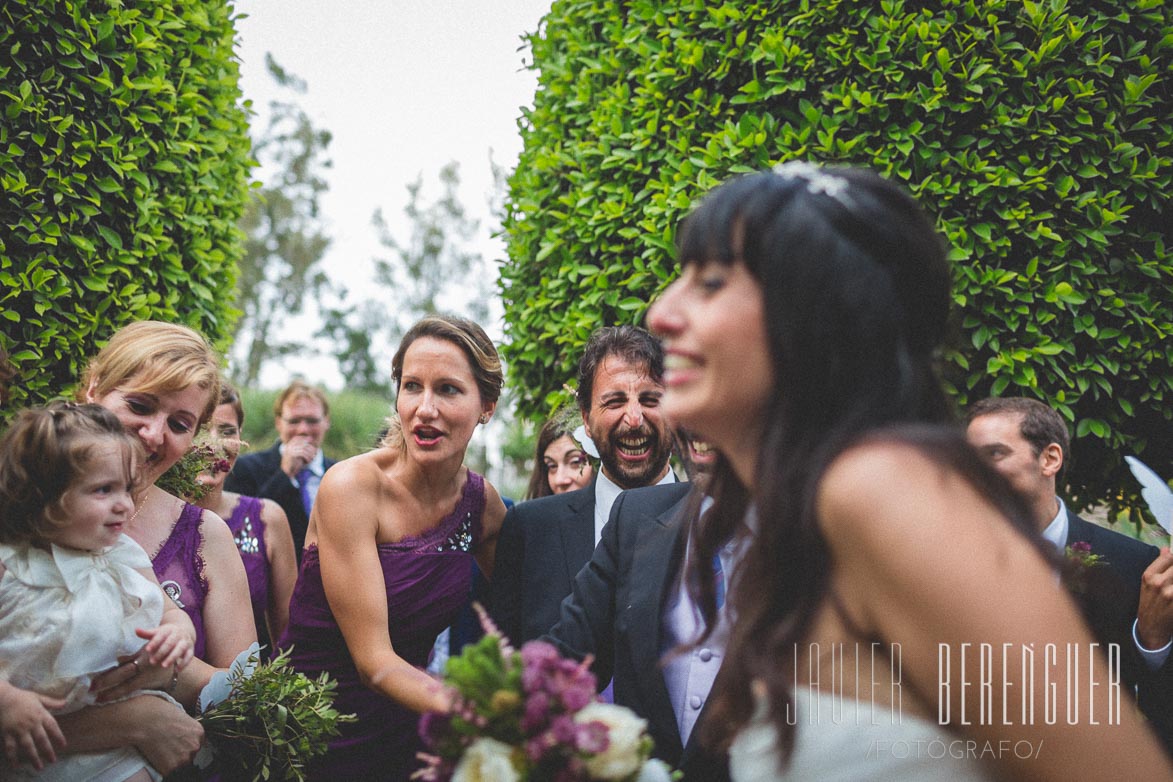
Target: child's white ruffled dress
x,y
66,615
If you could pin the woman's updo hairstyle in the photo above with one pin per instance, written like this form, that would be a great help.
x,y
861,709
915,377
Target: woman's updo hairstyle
x,y
472,341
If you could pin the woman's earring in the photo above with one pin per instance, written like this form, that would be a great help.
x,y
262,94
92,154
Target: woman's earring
x,y
484,419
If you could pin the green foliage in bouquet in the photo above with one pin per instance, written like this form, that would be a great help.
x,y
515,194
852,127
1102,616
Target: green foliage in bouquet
x,y
181,478
1040,134
124,161
273,722
490,686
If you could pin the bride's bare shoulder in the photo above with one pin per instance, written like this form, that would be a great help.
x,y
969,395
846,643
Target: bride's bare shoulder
x,y
887,477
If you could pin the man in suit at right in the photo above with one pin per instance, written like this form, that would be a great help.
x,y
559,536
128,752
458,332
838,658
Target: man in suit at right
x,y
1027,442
545,542
629,610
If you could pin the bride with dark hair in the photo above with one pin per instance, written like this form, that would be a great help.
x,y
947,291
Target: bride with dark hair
x,y
800,341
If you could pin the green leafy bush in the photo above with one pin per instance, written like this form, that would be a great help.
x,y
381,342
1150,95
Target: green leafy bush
x,y
1040,134
124,163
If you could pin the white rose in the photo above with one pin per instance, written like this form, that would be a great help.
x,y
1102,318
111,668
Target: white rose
x,y
655,770
625,731
486,760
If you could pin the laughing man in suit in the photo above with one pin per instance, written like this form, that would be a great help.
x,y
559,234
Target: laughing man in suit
x,y
1026,441
290,472
545,542
629,610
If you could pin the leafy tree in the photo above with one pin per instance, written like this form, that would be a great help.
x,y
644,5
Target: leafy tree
x,y
1039,133
434,270
353,332
123,167
280,271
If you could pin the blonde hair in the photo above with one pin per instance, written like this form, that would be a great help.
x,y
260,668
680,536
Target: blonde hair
x,y
44,452
161,357
299,389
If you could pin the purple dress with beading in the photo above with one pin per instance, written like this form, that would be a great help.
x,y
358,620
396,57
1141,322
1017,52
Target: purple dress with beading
x,y
427,580
179,566
249,533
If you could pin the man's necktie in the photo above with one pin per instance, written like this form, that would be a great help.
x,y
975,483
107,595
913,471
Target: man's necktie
x,y
303,482
719,580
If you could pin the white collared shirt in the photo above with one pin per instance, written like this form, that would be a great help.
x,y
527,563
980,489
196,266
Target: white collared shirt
x,y
1055,533
607,491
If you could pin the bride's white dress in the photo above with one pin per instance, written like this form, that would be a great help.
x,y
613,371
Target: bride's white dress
x,y
840,739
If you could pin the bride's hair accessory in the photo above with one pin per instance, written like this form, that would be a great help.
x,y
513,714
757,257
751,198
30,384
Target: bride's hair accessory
x,y
817,179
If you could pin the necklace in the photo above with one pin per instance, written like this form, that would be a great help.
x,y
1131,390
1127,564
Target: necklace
x,y
138,508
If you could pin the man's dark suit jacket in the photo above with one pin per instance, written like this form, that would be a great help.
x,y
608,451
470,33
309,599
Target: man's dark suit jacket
x,y
542,546
1110,604
259,475
615,613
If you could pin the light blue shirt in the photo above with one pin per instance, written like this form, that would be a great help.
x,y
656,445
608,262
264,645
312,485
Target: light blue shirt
x,y
689,676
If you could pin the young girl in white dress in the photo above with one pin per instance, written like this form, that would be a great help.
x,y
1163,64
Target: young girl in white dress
x,y
75,593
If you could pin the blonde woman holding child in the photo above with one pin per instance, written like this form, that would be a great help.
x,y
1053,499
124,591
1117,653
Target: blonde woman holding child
x,y
76,593
162,381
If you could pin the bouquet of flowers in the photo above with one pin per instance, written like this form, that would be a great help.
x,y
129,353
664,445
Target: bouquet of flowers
x,y
181,478
1081,562
264,721
531,715
207,455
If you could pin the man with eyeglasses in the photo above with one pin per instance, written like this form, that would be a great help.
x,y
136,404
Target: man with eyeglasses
x,y
290,472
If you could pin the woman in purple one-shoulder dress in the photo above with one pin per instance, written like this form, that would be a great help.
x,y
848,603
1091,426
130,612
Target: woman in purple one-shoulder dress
x,y
258,526
388,553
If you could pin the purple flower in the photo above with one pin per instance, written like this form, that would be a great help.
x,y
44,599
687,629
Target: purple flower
x,y
537,713
563,730
1081,547
538,659
578,694
537,747
538,653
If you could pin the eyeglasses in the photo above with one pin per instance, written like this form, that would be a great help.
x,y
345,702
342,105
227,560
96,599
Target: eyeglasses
x,y
307,420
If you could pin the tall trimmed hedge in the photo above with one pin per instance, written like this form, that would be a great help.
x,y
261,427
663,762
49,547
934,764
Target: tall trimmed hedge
x,y
1040,134
124,159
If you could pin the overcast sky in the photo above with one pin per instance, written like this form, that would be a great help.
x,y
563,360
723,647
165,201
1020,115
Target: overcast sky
x,y
404,87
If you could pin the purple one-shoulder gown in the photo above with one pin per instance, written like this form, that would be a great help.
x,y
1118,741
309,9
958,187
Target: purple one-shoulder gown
x,y
427,580
179,566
